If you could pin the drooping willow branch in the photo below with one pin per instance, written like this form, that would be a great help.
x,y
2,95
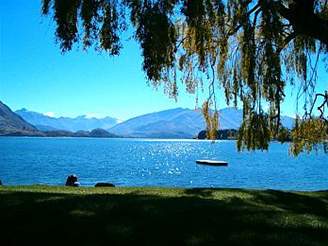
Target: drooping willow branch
x,y
322,106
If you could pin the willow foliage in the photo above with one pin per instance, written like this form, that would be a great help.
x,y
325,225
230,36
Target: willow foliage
x,y
211,119
308,134
249,48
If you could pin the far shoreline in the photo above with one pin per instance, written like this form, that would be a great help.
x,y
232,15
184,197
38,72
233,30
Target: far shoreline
x,y
146,138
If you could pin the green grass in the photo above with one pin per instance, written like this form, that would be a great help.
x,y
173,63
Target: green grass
x,y
35,215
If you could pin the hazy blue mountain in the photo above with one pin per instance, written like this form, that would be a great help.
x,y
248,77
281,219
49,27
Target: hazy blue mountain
x,y
47,123
13,124
179,123
96,133
101,133
169,123
172,123
287,121
45,128
230,118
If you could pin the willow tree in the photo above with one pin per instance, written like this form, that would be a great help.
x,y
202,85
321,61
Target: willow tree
x,y
249,48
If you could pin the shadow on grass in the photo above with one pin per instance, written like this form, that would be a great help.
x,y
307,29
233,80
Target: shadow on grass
x,y
198,217
294,202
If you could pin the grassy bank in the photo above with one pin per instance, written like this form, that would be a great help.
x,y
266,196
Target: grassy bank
x,y
34,215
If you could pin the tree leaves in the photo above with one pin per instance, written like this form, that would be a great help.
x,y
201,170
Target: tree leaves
x,y
66,15
309,134
211,119
251,48
158,47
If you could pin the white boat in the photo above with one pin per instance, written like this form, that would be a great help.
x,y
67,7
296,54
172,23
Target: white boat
x,y
212,162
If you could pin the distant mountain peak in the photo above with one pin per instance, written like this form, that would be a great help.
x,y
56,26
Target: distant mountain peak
x,y
171,123
178,123
81,122
49,114
13,124
22,110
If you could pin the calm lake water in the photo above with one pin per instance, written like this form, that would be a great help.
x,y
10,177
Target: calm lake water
x,y
169,163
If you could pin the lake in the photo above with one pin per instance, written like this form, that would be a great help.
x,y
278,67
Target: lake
x,y
165,163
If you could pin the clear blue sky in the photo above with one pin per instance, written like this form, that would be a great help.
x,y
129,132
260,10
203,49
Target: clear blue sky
x,y
35,75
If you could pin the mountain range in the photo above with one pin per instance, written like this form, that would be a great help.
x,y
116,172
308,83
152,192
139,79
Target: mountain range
x,y
180,123
81,123
172,123
13,124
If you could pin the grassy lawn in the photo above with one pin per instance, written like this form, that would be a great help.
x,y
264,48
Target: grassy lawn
x,y
34,215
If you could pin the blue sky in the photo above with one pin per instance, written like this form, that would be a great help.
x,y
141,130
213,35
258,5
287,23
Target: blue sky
x,y
35,75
